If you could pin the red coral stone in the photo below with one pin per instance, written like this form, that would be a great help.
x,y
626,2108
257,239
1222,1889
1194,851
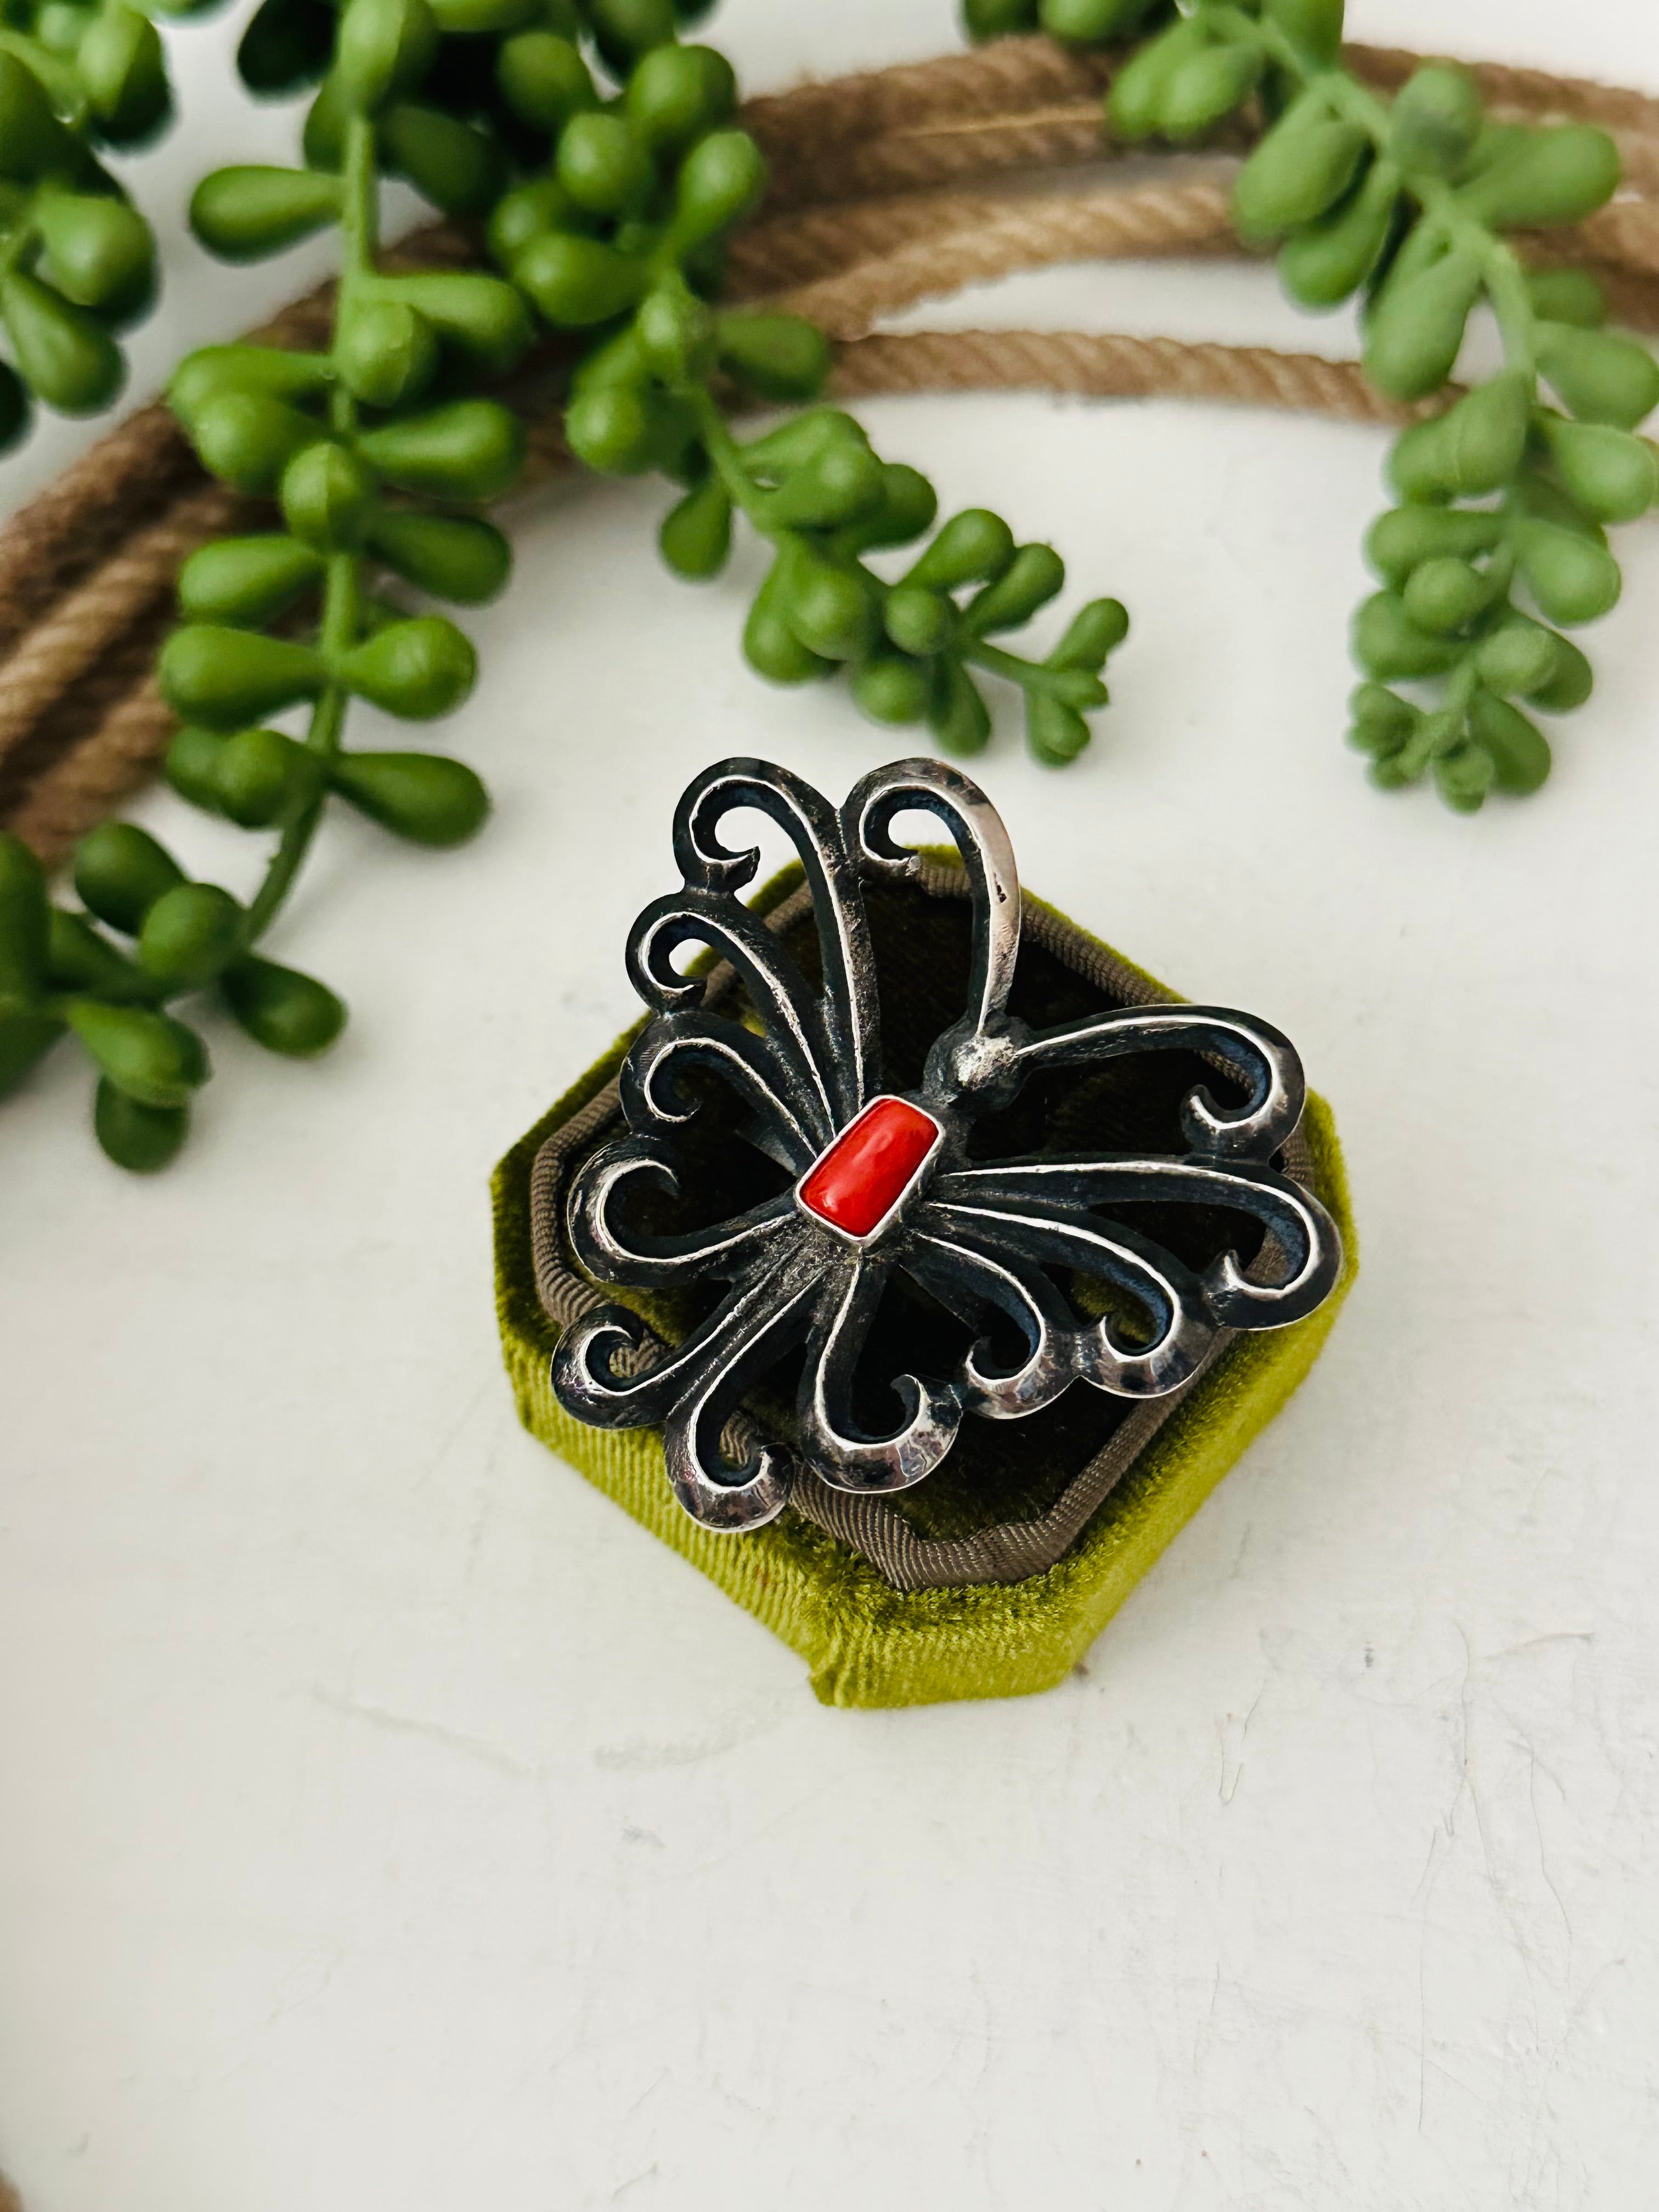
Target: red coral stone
x,y
857,1182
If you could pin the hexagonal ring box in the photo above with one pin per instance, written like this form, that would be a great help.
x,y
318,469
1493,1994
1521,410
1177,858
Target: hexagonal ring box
x,y
917,1265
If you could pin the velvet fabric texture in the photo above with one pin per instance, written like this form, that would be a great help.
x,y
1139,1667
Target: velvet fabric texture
x,y
869,1643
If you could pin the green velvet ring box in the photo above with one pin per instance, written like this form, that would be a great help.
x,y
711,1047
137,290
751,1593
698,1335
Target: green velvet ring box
x,y
992,1578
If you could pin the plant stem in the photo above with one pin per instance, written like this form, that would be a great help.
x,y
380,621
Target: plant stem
x,y
342,609
1030,675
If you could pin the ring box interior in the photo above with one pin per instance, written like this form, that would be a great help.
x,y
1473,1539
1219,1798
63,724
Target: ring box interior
x,y
992,1577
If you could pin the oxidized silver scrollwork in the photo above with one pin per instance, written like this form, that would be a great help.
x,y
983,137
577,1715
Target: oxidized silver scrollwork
x,y
983,1240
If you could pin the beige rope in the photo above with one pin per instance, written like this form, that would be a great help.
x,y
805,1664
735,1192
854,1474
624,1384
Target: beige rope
x,y
50,657
1024,103
111,761
979,240
1111,366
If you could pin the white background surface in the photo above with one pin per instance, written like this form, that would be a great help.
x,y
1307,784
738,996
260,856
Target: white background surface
x,y
389,1822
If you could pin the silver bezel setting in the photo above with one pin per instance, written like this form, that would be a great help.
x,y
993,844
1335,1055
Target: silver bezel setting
x,y
918,1174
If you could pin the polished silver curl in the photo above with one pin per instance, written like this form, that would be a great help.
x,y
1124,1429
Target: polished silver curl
x,y
992,1241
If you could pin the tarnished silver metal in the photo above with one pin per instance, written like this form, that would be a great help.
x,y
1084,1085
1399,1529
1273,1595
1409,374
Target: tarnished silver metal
x,y
983,1240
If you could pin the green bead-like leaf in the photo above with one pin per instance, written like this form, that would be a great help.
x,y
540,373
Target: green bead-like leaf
x,y
1463,775
482,318
675,95
1383,720
192,765
383,48
148,1055
281,1009
1301,169
120,870
386,353
1083,22
1572,579
327,497
840,483
1603,376
224,679
258,774
99,253
676,334
1094,631
24,1039
770,644
574,282
1557,174
973,547
1517,749
80,957
919,622
892,688
1388,645
65,356
25,920
1329,260
460,169
1405,537
602,165
213,372
831,609
421,796
1436,118
243,213
1567,295
985,20
622,431
123,74
1518,660
544,79
1055,732
1034,575
453,556
1134,104
1416,327
417,670
1208,86
247,439
721,179
1315,25
189,934
33,141
1613,475
248,580
779,356
139,1138
696,536
1475,446
956,714
470,450
1444,594
286,46
908,505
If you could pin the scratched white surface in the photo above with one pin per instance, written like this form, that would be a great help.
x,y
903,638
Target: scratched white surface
x,y
389,1822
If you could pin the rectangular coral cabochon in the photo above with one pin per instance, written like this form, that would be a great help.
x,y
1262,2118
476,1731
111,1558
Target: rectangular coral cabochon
x,y
867,1644
861,1177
